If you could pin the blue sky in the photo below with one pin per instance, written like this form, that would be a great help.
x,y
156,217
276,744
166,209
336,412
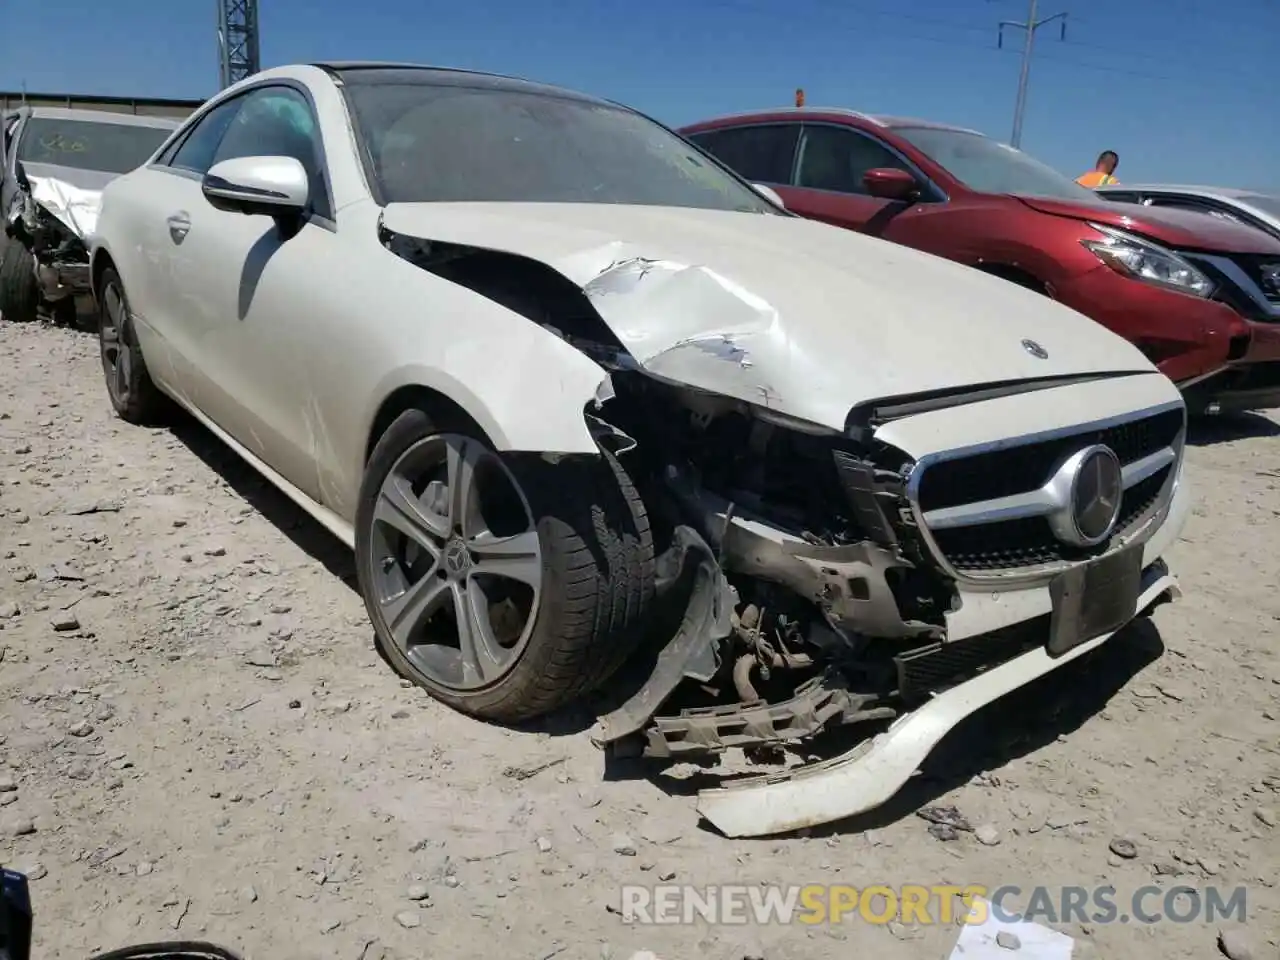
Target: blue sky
x,y
1184,90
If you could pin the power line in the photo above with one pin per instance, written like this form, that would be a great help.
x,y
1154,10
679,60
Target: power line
x,y
1029,28
860,11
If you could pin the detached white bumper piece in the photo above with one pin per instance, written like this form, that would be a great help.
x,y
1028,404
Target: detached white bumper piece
x,y
868,775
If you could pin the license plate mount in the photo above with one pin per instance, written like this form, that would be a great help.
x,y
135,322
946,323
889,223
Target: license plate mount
x,y
1093,599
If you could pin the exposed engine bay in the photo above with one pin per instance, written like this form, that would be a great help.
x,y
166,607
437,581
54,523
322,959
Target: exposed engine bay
x,y
799,591
44,217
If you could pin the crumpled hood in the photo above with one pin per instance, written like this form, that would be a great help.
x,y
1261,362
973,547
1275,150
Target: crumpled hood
x,y
806,319
73,196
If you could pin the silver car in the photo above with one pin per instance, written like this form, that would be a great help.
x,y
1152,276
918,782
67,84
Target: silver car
x,y
579,398
53,167
1250,207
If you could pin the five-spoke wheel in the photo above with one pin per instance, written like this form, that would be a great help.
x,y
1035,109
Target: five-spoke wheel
x,y
505,586
457,565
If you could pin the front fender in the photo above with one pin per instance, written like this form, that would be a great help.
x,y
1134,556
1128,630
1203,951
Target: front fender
x,y
390,324
525,413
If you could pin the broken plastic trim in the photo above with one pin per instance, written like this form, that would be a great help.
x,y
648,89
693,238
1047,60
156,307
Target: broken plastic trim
x,y
874,770
693,650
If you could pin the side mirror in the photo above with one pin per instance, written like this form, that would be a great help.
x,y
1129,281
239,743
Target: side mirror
x,y
15,916
20,175
268,186
769,194
888,183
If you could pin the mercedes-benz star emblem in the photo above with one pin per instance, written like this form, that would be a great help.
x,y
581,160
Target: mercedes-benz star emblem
x,y
456,559
1097,490
1037,351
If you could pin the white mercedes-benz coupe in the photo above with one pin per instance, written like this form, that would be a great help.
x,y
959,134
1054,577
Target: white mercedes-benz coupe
x,y
588,407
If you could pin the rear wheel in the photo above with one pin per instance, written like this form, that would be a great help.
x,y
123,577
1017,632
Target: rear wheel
x,y
19,287
505,588
133,395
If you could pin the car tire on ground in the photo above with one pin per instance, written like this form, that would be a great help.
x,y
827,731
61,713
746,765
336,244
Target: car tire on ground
x,y
133,395
577,527
19,288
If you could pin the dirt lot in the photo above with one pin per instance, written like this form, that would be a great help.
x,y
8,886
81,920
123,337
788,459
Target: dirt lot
x,y
197,738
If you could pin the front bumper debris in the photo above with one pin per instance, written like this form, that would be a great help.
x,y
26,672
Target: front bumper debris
x,y
871,773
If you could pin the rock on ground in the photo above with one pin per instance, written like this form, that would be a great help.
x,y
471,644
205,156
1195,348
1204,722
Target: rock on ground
x,y
219,714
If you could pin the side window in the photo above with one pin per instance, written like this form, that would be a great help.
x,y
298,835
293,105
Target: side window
x,y
761,154
195,153
834,158
278,122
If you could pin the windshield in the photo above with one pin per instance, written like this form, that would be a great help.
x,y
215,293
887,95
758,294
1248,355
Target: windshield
x,y
988,166
460,143
88,144
1264,202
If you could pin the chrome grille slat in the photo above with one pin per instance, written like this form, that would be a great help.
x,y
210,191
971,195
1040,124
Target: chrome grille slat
x,y
974,534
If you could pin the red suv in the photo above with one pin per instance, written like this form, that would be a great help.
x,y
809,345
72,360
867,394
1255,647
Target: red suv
x,y
1196,294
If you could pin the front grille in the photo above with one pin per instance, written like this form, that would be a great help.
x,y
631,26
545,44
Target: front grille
x,y
1264,270
925,670
1022,543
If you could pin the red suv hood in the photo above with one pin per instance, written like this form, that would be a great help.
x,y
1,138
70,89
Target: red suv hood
x,y
1182,229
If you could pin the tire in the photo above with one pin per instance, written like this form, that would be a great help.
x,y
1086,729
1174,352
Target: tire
x,y
130,389
19,288
596,569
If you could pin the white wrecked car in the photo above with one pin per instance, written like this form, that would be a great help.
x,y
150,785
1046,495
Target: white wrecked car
x,y
55,163
577,396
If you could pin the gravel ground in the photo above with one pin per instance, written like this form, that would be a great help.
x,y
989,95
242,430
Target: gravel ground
x,y
198,740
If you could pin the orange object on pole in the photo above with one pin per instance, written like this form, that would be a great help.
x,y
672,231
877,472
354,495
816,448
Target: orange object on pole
x,y
799,97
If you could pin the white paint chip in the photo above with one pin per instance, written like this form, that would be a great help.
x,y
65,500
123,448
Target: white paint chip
x,y
978,940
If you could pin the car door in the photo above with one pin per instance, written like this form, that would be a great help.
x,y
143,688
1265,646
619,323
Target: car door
x,y
135,211
828,178
236,277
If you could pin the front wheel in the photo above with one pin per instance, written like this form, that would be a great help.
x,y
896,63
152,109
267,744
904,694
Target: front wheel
x,y
133,395
504,587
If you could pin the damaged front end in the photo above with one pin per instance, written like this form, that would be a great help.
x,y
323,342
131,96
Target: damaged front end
x,y
50,221
813,597
801,584
808,599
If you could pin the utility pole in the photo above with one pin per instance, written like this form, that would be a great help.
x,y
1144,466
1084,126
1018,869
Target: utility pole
x,y
1030,26
237,40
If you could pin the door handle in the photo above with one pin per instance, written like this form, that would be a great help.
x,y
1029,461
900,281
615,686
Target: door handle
x,y
179,226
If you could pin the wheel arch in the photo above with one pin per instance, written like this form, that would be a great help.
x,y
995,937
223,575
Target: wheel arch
x,y
414,396
437,393
99,261
1014,274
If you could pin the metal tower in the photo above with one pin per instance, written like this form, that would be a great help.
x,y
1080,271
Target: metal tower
x,y
1030,26
237,40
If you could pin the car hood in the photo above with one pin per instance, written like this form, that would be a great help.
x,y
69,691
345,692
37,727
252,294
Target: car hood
x,y
73,196
786,313
1183,229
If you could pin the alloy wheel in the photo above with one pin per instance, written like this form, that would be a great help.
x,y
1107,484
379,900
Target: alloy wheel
x,y
116,342
456,562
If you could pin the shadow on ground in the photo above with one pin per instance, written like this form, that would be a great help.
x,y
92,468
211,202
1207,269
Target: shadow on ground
x,y
279,510
1020,724
1229,427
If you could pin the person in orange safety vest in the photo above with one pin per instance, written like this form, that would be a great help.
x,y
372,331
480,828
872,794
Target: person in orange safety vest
x,y
1103,173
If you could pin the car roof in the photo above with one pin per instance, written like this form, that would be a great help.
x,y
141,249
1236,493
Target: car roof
x,y
374,72
879,120
101,116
